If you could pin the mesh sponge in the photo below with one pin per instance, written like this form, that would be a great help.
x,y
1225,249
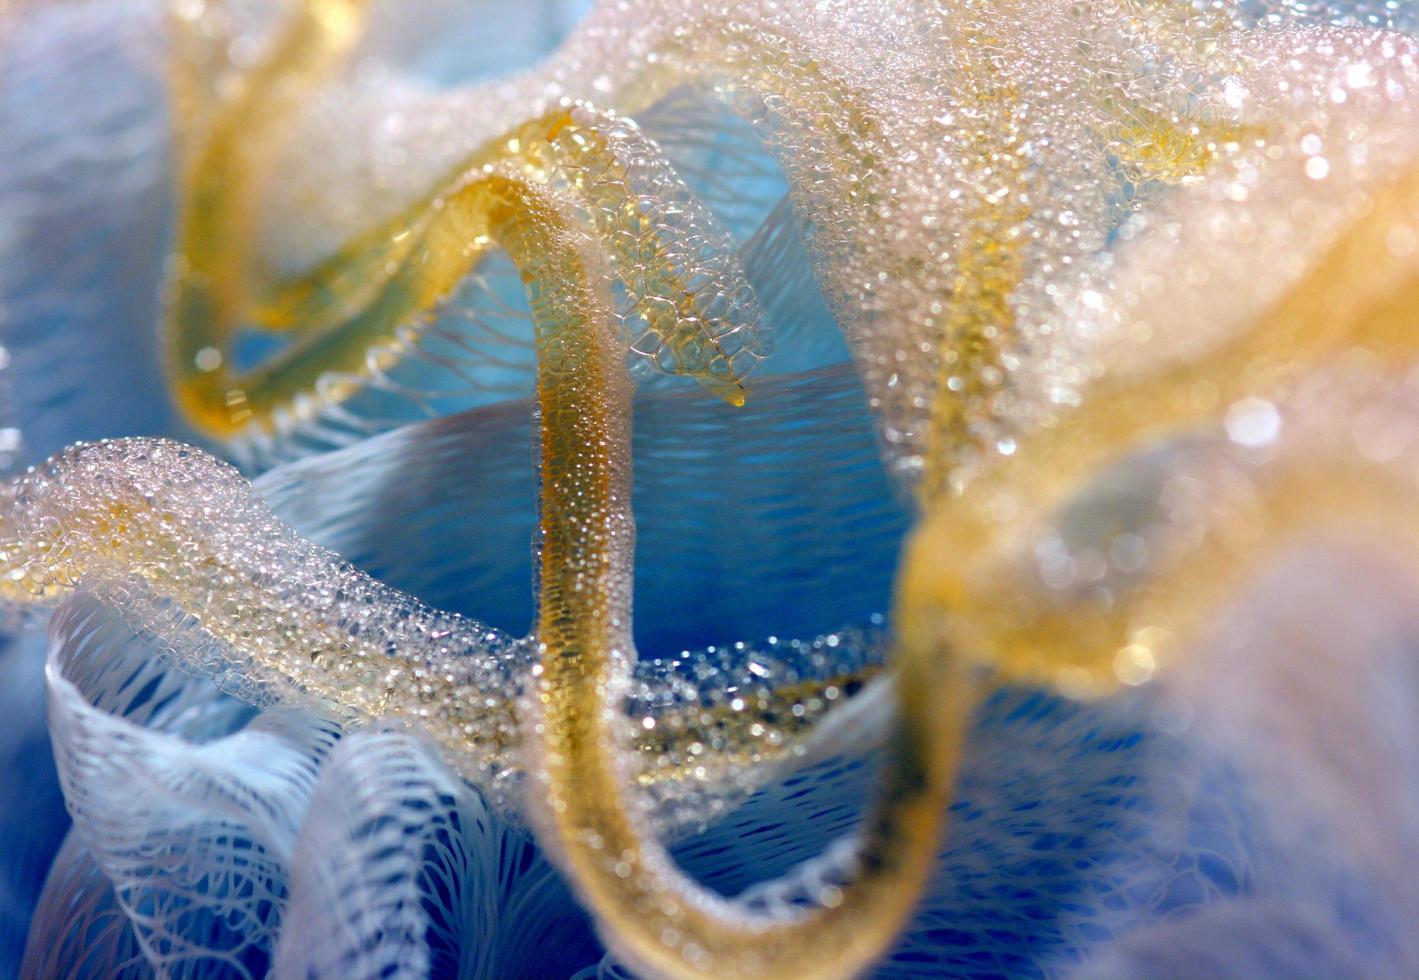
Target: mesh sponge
x,y
32,819
79,929
387,824
83,210
748,548
191,829
402,870
213,830
1109,839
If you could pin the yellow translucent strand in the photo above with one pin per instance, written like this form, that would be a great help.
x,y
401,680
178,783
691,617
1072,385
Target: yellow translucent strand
x,y
652,913
348,309
431,249
218,203
1359,294
130,521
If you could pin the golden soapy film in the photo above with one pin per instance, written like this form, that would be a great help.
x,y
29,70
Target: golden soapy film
x,y
1117,276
